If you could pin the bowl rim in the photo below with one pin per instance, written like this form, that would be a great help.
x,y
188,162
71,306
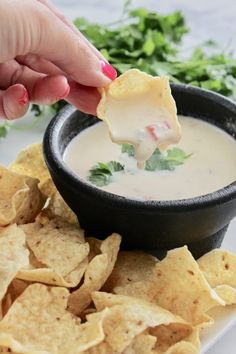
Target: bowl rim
x,y
55,163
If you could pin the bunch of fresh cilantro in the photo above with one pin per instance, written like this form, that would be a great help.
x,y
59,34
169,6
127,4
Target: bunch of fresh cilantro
x,y
151,42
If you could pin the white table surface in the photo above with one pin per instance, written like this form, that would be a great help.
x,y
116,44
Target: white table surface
x,y
215,19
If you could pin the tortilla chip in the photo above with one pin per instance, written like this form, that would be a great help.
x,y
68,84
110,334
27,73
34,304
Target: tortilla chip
x,y
5,350
167,336
219,267
6,304
130,267
20,198
58,207
38,272
16,288
173,338
142,344
129,317
46,326
96,274
30,162
226,293
190,345
175,278
140,93
102,348
95,247
57,244
13,255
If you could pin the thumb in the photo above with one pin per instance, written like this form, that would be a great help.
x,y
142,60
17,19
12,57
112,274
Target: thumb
x,y
42,32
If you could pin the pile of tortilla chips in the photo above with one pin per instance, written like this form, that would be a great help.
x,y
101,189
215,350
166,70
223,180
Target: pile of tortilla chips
x,y
62,293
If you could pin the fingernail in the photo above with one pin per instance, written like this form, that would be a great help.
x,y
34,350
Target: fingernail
x,y
66,93
23,100
108,70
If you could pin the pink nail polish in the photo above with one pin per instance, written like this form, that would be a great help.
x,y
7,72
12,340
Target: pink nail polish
x,y
23,100
66,93
108,70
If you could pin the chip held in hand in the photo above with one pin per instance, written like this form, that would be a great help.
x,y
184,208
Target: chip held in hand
x,y
140,110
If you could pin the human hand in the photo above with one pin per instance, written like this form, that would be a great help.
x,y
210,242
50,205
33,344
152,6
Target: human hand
x,y
44,58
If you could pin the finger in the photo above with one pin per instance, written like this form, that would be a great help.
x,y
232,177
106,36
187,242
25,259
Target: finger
x,y
14,102
41,88
49,89
60,15
70,53
84,98
39,64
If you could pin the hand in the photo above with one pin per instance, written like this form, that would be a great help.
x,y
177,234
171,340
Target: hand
x,y
44,58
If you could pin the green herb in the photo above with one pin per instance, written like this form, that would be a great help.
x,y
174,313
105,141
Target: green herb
x,y
159,161
3,131
101,173
58,105
37,110
173,157
128,149
151,42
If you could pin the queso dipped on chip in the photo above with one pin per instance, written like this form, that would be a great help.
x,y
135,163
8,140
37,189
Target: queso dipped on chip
x,y
140,110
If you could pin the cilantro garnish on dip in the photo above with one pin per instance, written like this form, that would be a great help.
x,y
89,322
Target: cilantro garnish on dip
x,y
101,174
140,110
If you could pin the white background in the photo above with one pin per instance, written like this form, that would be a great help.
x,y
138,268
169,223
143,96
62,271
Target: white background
x,y
215,19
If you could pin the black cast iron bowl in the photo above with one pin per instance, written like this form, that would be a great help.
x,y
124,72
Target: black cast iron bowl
x,y
154,226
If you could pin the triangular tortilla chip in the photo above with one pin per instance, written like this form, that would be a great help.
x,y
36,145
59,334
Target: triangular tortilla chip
x,y
20,198
45,326
13,255
96,274
175,278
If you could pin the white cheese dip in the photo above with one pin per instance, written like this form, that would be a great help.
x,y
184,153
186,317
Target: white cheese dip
x,y
212,165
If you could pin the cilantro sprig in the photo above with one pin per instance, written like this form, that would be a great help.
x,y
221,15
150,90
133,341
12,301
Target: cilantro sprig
x,y
3,131
128,149
152,42
169,161
160,161
100,174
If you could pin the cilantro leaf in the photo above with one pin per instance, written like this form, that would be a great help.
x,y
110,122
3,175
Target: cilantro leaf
x,y
102,167
100,174
128,149
99,179
37,110
154,162
158,161
115,166
3,131
176,156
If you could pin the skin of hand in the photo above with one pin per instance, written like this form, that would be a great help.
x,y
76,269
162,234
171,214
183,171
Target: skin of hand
x,y
44,58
